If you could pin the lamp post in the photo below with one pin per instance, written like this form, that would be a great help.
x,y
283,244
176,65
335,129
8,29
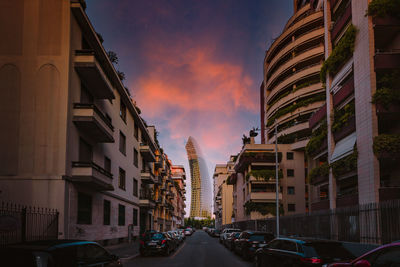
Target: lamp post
x,y
276,181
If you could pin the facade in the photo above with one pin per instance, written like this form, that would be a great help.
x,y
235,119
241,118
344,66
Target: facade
x,y
75,140
200,182
179,177
223,194
253,180
354,150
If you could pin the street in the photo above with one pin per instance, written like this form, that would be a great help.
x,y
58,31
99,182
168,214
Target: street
x,y
198,250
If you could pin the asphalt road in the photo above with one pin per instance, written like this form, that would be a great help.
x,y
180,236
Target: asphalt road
x,y
198,250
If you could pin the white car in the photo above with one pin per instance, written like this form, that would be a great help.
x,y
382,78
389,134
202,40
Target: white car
x,y
225,233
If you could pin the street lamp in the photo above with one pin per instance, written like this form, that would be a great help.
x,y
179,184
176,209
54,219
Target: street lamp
x,y
276,181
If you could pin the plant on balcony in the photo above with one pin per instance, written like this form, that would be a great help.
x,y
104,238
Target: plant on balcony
x,y
382,8
293,137
346,164
342,116
386,144
263,208
294,106
386,94
342,51
320,171
265,175
317,139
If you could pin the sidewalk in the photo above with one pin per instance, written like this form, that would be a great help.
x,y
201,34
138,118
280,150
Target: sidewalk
x,y
125,251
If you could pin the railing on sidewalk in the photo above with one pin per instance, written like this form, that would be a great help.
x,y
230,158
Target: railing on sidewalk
x,y
374,223
20,223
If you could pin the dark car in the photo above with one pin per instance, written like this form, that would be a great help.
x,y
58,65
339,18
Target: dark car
x,y
301,252
57,253
230,240
387,255
156,243
249,241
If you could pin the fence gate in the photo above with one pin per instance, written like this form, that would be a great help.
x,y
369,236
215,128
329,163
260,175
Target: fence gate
x,y
20,223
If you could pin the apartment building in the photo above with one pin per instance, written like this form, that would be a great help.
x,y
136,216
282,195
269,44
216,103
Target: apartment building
x,y
179,178
254,183
75,140
354,149
223,194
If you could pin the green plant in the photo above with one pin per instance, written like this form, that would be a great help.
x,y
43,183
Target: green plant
x,y
386,143
345,165
263,208
266,175
342,51
382,8
294,106
321,170
386,96
317,138
342,116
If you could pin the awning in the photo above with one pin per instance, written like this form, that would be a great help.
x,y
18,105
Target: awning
x,y
344,147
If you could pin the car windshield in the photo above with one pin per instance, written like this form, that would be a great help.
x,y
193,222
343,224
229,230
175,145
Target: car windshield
x,y
157,236
231,230
327,250
261,237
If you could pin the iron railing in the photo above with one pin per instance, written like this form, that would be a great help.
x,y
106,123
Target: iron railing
x,y
19,223
374,223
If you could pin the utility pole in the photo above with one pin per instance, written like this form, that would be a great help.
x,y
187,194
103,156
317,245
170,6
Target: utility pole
x,y
276,181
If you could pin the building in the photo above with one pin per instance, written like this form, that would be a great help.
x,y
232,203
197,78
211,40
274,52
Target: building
x,y
254,183
223,195
201,200
75,140
179,177
354,151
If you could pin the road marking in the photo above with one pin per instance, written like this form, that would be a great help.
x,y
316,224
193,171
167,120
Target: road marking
x,y
176,252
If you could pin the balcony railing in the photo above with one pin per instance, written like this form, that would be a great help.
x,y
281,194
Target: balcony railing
x,y
387,59
91,175
146,199
344,92
317,116
147,176
347,200
247,158
90,120
321,205
341,21
147,153
92,75
346,129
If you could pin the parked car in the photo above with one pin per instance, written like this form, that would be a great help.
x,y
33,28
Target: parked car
x,y
230,239
225,232
174,235
216,233
301,252
211,231
387,255
249,241
156,243
60,253
187,232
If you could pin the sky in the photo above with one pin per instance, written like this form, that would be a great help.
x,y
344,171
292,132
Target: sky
x,y
193,67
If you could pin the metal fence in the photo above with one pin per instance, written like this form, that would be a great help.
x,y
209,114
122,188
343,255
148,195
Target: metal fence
x,y
20,223
375,223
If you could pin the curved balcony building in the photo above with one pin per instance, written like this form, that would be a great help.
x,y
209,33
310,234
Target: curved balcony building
x,y
200,181
292,88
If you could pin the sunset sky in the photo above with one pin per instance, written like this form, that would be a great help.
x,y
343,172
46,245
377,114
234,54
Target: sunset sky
x,y
194,67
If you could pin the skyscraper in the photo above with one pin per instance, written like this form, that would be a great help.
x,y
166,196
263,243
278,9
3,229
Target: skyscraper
x,y
201,188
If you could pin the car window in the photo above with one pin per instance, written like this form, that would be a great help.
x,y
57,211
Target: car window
x,y
390,257
327,250
275,244
91,253
289,246
259,238
157,236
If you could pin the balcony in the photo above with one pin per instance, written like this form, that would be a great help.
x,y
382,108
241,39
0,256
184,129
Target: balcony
x,y
263,196
146,199
388,59
90,120
344,92
385,30
346,129
147,176
92,75
341,22
347,200
147,153
247,158
317,116
321,205
91,175
389,193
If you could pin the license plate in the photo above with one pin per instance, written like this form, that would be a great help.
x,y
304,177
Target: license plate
x,y
152,244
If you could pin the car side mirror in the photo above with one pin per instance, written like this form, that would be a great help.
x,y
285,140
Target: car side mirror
x,y
362,263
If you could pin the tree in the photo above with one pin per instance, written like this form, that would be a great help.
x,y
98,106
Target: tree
x,y
113,57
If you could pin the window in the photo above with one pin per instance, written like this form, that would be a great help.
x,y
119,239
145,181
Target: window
x,y
135,158
121,215
122,111
135,217
106,212
107,164
290,190
121,179
85,151
290,173
122,143
289,155
136,131
135,187
84,209
291,207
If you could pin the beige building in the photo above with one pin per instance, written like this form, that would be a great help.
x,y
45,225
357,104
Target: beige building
x,y
75,140
254,188
354,149
179,178
223,194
